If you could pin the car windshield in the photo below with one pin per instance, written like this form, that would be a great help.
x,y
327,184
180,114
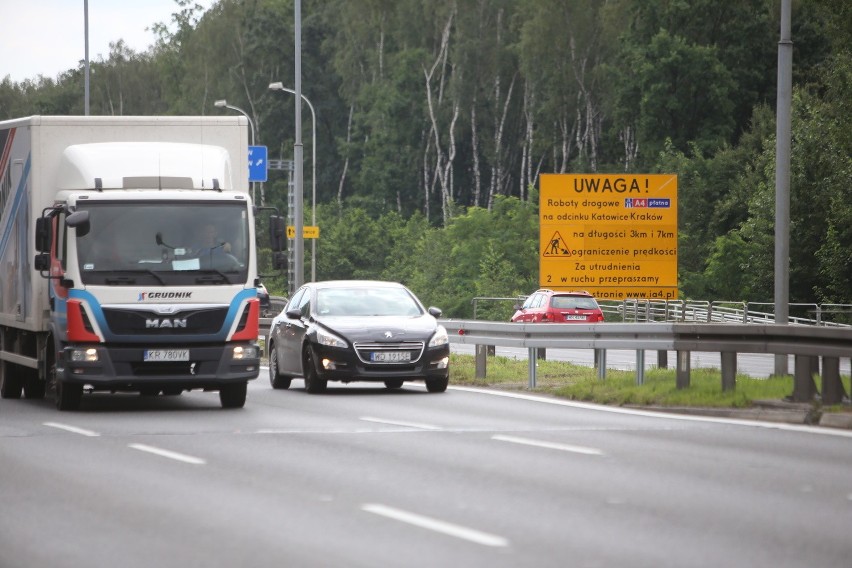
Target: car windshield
x,y
361,301
164,243
573,303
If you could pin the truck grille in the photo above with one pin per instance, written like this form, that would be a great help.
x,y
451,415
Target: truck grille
x,y
150,323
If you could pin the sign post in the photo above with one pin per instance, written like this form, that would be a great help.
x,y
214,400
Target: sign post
x,y
614,236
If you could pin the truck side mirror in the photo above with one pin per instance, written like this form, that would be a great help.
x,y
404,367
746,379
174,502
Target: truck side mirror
x,y
277,232
80,221
42,262
43,234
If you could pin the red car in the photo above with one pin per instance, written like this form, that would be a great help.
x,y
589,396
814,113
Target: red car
x,y
549,306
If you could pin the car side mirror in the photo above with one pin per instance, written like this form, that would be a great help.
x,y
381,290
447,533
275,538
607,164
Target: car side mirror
x,y
516,307
294,313
435,312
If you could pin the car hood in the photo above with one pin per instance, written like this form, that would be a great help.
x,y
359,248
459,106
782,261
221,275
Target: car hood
x,y
376,328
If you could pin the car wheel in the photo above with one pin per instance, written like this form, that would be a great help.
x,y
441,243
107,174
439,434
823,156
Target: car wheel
x,y
313,384
437,385
275,378
233,396
68,395
393,383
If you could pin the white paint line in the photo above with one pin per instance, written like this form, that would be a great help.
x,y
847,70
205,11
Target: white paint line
x,y
400,423
665,415
168,454
549,445
73,429
443,527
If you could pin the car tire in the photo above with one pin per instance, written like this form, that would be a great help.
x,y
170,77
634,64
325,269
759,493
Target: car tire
x,y
437,385
313,384
233,396
393,383
68,395
277,380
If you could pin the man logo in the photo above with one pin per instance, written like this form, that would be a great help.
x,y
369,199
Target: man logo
x,y
165,323
388,334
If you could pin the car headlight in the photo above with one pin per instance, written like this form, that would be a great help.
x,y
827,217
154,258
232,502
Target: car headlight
x,y
329,339
440,337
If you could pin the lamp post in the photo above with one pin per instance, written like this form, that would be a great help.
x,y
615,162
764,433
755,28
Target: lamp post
x,y
222,103
278,86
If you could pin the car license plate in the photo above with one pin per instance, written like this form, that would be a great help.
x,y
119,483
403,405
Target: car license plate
x,y
390,356
155,355
575,317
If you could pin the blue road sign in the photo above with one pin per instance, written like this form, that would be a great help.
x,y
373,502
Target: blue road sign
x,y
257,162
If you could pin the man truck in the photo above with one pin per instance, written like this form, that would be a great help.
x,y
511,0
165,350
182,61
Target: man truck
x,y
104,285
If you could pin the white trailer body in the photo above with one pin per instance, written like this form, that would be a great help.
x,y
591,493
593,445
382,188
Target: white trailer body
x,y
101,284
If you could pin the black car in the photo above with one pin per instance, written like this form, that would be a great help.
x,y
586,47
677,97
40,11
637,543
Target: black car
x,y
357,330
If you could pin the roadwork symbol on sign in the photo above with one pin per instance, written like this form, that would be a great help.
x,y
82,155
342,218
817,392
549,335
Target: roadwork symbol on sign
x,y
556,246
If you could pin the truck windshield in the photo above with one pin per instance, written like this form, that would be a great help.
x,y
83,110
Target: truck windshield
x,y
164,243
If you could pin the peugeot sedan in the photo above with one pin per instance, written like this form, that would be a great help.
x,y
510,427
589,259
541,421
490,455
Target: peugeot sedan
x,y
357,330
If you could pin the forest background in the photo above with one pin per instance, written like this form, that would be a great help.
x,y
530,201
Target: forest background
x,y
434,119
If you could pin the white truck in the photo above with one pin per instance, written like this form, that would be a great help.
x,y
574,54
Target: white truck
x,y
127,257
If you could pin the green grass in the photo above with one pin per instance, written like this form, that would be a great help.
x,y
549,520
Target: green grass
x,y
581,383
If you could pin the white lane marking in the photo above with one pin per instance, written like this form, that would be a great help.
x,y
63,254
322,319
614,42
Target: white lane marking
x,y
666,415
436,525
168,454
73,429
549,445
400,423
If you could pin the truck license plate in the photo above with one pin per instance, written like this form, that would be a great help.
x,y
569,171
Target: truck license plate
x,y
155,355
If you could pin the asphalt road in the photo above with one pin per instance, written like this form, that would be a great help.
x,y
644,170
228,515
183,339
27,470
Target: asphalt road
x,y
362,476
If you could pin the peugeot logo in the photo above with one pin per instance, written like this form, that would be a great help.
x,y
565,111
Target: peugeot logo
x,y
388,334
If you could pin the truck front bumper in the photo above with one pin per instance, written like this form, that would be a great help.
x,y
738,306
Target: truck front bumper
x,y
124,368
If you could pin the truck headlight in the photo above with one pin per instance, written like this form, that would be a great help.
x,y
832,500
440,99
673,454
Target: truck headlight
x,y
245,352
89,355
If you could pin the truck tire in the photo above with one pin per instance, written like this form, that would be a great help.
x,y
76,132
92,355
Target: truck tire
x,y
34,388
11,382
233,396
68,395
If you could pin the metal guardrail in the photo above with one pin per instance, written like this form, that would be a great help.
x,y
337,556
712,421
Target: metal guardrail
x,y
807,344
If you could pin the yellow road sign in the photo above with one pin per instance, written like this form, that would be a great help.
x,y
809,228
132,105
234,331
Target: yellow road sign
x,y
308,232
612,235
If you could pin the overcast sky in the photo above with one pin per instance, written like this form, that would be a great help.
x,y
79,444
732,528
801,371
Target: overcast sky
x,y
46,37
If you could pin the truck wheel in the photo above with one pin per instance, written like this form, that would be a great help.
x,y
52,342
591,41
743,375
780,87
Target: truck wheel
x,y
33,387
313,384
10,381
68,396
233,396
437,385
277,380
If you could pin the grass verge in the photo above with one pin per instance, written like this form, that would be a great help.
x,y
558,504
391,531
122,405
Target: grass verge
x,y
577,382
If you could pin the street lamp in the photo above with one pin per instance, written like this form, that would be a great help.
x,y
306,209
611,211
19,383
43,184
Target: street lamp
x,y
222,103
279,86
